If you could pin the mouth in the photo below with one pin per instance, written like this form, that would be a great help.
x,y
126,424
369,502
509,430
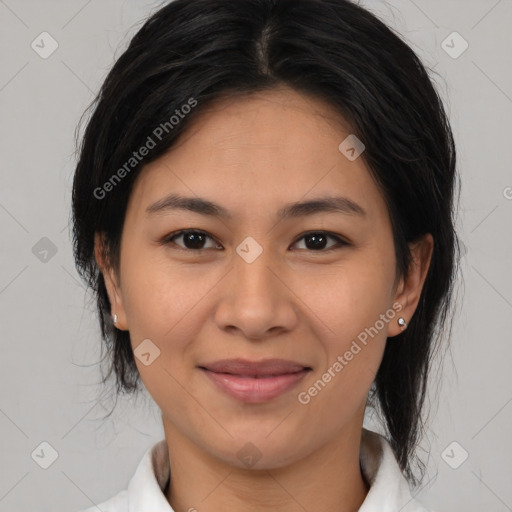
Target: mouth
x,y
254,381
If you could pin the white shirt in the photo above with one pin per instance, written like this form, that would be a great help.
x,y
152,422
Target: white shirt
x,y
389,490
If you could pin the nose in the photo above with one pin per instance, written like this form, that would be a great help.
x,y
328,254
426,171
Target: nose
x,y
256,301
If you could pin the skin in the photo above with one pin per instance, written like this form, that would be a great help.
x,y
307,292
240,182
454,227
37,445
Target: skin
x,y
252,155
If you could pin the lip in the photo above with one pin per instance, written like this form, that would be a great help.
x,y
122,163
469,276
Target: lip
x,y
254,381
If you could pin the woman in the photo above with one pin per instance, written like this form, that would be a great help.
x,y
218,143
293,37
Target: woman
x,y
263,206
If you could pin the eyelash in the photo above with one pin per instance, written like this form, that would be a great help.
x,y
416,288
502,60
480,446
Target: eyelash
x,y
169,240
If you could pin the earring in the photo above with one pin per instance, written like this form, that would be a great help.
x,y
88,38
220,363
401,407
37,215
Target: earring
x,y
114,318
401,322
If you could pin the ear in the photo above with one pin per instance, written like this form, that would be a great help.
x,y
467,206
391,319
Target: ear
x,y
409,288
111,281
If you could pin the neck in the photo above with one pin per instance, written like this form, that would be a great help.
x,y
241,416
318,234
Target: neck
x,y
330,478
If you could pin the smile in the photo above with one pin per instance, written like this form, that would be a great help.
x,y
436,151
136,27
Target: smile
x,y
255,382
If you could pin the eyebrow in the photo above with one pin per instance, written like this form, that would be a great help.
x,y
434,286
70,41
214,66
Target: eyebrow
x,y
203,206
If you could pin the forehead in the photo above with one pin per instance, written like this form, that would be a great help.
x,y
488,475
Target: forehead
x,y
255,123
258,152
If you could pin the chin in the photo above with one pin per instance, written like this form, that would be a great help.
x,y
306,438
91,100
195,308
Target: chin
x,y
254,448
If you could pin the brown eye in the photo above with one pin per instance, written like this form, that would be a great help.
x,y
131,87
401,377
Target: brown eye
x,y
317,241
196,240
191,239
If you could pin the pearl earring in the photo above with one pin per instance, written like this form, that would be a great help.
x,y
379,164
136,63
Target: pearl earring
x,y
115,319
401,322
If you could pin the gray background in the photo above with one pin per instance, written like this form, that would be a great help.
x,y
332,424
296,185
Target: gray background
x,y
48,331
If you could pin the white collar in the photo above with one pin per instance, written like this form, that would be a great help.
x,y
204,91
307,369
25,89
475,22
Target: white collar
x,y
389,490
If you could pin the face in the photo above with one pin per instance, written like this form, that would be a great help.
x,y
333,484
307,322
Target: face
x,y
313,288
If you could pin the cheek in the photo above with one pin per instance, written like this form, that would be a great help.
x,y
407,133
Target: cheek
x,y
161,304
352,302
353,353
348,298
155,292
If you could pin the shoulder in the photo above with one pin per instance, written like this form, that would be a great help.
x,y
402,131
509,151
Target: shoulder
x,y
145,488
389,489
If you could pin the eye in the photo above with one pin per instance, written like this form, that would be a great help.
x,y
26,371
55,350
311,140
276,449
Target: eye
x,y
193,239
316,241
